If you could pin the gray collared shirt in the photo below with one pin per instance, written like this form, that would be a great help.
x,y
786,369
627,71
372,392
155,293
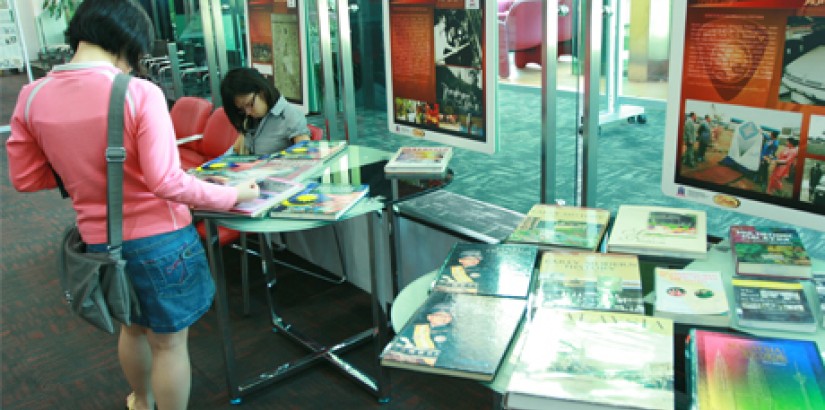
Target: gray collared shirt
x,y
283,122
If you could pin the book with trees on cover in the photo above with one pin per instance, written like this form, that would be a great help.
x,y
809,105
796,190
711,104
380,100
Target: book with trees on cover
x,y
555,226
419,160
769,251
321,150
325,201
456,334
488,269
586,280
740,372
777,305
659,231
690,292
583,359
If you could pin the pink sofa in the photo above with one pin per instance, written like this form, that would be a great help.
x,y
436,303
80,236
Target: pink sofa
x,y
522,30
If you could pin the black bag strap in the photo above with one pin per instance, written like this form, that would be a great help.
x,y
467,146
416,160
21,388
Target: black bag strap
x,y
115,156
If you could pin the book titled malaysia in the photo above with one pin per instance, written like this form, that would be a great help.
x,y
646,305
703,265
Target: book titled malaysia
x,y
272,192
488,269
324,201
775,305
741,372
583,360
419,160
690,292
456,334
659,231
586,280
321,150
553,226
769,251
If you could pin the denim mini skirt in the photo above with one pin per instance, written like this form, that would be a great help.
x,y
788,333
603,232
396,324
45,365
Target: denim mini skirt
x,y
171,277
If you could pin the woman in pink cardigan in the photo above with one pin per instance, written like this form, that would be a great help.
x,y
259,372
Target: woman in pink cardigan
x,y
784,161
60,123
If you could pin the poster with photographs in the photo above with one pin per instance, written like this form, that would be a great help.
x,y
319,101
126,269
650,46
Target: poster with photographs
x,y
11,48
277,43
746,118
440,82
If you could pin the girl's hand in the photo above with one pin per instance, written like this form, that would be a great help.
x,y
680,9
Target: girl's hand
x,y
247,191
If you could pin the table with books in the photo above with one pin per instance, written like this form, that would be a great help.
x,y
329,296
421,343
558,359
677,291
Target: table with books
x,y
340,185
651,328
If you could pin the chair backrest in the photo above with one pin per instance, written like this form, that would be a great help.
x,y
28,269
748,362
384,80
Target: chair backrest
x,y
218,135
189,116
315,133
524,26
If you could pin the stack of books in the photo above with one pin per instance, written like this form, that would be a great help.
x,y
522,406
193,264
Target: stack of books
x,y
466,324
771,265
321,201
419,161
556,227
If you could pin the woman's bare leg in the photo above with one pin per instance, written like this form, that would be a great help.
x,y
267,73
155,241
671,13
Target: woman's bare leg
x,y
171,371
136,361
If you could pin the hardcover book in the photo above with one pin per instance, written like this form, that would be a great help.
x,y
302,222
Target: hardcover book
x,y
593,360
769,251
596,281
487,269
232,169
419,160
321,150
317,200
659,231
456,334
819,282
777,305
690,292
739,372
556,226
272,192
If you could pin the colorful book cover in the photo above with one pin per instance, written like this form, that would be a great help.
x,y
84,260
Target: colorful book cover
x,y
690,292
311,150
591,359
419,159
272,192
779,305
456,334
659,231
232,169
488,269
769,251
739,372
317,200
596,281
562,226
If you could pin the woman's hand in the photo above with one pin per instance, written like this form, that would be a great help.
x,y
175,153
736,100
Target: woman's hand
x,y
247,191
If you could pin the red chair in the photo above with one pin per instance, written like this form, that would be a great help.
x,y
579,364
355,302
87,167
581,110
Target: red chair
x,y
218,137
523,30
189,116
316,133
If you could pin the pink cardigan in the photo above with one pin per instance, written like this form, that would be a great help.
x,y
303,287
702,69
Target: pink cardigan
x,y
64,124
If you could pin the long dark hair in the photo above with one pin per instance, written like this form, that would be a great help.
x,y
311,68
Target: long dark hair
x,y
242,81
120,27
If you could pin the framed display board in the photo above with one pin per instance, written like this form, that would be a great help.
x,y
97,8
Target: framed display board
x,y
11,49
441,80
277,46
746,108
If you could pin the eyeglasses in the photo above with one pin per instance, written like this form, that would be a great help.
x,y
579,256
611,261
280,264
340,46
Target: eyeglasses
x,y
248,106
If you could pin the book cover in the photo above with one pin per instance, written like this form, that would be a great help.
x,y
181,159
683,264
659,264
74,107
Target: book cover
x,y
593,360
659,231
562,226
690,292
769,251
738,372
584,280
487,269
819,283
272,192
456,334
317,200
311,150
430,160
232,169
296,169
778,305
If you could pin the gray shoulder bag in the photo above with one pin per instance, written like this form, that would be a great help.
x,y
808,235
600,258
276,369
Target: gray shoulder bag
x,y
96,285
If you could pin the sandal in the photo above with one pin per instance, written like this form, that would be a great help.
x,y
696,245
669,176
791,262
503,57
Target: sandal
x,y
130,401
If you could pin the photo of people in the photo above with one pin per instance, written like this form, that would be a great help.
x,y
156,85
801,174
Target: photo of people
x,y
813,185
457,37
816,136
747,148
802,61
460,98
